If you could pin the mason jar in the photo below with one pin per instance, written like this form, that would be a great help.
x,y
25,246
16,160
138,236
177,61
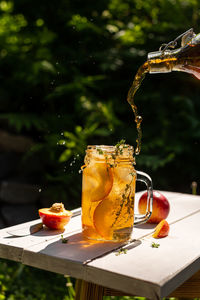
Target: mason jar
x,y
108,193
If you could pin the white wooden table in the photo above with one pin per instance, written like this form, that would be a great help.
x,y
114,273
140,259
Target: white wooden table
x,y
144,271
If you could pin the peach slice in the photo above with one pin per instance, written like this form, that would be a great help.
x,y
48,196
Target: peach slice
x,y
97,181
110,218
161,230
103,218
88,208
115,212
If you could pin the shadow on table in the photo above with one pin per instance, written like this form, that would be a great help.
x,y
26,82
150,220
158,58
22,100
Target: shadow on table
x,y
35,229
146,226
78,249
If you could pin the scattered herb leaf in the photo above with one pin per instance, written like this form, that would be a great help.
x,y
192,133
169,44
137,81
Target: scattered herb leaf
x,y
121,251
64,241
155,245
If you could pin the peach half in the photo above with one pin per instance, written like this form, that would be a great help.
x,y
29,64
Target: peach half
x,y
55,217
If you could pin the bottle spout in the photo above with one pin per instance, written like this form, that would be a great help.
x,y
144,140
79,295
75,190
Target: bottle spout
x,y
159,61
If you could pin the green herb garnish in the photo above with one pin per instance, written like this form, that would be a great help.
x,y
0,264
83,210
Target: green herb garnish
x,y
119,149
154,245
126,199
120,143
100,151
121,251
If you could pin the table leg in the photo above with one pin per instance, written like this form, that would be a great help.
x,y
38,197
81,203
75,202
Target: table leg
x,y
88,291
190,289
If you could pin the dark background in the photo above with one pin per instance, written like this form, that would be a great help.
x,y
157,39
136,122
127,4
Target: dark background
x,y
65,71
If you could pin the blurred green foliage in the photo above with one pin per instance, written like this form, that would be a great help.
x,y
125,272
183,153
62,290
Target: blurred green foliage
x,y
19,282
65,70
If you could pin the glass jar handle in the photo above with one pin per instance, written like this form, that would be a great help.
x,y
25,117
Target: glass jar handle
x,y
143,177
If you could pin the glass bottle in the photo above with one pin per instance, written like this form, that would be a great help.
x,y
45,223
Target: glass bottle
x,y
185,59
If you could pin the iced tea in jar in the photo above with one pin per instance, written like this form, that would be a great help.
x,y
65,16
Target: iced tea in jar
x,y
108,193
